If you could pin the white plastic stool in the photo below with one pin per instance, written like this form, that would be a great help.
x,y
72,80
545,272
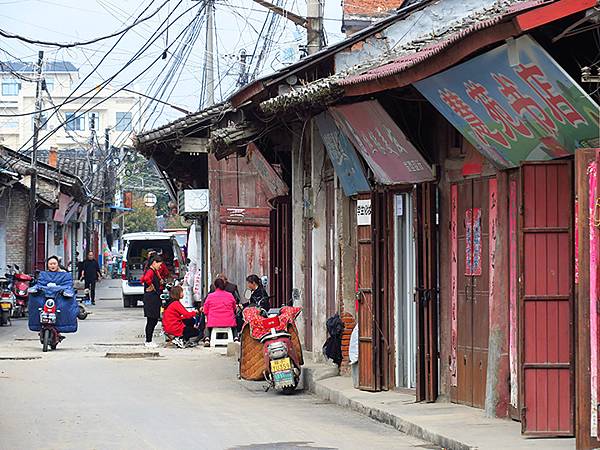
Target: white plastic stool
x,y
220,337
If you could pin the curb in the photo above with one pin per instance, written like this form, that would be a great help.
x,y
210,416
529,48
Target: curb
x,y
400,424
131,355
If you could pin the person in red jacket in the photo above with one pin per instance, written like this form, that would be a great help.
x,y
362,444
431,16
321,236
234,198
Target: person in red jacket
x,y
178,321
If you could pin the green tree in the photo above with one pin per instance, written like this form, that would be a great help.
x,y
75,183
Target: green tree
x,y
141,218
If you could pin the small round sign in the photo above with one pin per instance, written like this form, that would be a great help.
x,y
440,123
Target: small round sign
x,y
150,200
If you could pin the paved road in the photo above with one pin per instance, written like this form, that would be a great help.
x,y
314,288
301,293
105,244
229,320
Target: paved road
x,y
75,398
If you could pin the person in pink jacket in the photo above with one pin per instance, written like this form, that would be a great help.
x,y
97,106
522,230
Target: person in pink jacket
x,y
219,309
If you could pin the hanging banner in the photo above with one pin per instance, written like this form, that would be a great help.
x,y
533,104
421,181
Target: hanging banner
x,y
515,103
64,201
387,151
343,156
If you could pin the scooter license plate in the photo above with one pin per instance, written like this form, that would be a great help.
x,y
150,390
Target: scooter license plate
x,y
5,306
280,365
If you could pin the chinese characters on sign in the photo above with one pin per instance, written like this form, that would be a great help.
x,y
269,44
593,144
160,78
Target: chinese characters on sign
x,y
343,156
454,283
363,212
529,111
389,154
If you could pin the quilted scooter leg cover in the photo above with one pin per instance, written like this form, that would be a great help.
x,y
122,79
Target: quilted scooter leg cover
x,y
252,361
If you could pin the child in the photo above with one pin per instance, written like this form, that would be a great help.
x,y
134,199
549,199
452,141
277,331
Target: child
x,y
177,320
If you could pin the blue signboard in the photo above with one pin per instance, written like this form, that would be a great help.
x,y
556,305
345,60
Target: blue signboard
x,y
514,104
343,156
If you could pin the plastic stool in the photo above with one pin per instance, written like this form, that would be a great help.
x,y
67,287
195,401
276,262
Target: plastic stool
x,y
220,337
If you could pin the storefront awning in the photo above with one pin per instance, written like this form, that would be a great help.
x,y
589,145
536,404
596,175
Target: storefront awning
x,y
514,104
387,151
343,156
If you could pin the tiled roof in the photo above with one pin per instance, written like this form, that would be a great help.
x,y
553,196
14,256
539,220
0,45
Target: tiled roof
x,y
48,176
49,67
80,163
329,89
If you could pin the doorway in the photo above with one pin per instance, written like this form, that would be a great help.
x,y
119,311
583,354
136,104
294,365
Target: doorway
x,y
473,291
404,289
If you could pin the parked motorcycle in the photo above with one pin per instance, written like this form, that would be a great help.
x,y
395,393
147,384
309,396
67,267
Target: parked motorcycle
x,y
20,287
282,362
7,301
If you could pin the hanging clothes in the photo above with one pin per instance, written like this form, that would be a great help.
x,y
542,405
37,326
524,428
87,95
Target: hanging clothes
x,y
332,348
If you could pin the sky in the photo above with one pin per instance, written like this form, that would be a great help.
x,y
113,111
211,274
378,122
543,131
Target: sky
x,y
238,23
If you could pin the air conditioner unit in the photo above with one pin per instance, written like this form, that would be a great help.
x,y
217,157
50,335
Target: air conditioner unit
x,y
193,201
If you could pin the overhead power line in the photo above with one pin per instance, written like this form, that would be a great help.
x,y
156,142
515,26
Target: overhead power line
x,y
10,35
103,85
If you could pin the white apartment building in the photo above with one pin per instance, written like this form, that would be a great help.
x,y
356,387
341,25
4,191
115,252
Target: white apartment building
x,y
121,113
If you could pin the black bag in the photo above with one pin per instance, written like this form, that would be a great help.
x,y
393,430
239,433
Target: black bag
x,y
332,348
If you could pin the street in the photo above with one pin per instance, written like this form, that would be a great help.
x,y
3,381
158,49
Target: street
x,y
76,398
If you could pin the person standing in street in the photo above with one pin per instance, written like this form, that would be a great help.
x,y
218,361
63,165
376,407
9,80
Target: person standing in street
x,y
152,303
90,272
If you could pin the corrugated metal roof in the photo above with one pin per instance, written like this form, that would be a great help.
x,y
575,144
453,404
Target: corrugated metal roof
x,y
49,67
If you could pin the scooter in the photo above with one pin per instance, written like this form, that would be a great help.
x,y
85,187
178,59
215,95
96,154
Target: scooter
x,y
82,302
20,288
7,301
283,364
49,335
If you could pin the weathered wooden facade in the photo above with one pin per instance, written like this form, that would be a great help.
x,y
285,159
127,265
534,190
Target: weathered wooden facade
x,y
473,284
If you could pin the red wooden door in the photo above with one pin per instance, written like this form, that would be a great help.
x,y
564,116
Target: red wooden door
x,y
366,317
40,247
547,299
473,292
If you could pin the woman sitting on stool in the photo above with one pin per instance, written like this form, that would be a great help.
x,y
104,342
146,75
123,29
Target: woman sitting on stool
x,y
219,309
178,321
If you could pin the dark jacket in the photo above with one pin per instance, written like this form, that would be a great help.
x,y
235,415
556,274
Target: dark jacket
x,y
260,298
152,291
333,346
90,270
229,287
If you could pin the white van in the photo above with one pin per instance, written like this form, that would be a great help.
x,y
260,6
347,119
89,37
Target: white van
x,y
135,257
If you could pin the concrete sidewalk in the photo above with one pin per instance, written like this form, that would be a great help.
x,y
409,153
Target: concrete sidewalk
x,y
446,424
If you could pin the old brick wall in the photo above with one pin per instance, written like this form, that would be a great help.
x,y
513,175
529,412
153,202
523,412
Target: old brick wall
x,y
370,8
17,217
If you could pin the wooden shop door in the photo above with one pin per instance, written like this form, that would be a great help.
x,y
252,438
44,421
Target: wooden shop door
x,y
546,294
473,291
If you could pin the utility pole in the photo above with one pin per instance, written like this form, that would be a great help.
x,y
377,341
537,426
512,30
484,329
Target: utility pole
x,y
37,124
209,60
314,26
313,22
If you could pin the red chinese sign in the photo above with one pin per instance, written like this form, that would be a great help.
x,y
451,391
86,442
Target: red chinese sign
x,y
514,111
387,151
